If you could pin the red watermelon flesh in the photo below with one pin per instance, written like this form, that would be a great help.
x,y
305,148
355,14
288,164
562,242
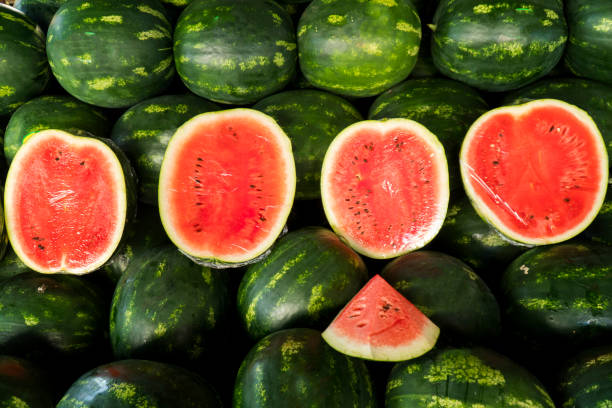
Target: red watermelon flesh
x,y
65,203
384,186
537,172
226,186
380,324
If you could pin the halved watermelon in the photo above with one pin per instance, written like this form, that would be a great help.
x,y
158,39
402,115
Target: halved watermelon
x,y
226,186
384,186
65,202
537,172
380,324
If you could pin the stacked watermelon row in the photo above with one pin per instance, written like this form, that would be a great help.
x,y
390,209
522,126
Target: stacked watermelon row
x,y
158,329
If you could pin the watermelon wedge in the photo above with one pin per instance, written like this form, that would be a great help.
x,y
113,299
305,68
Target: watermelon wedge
x,y
66,202
380,324
537,172
226,186
384,186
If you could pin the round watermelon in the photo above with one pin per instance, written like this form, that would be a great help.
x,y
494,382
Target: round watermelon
x,y
585,382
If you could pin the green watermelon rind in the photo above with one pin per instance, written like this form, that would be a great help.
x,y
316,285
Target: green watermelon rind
x,y
489,216
443,178
264,248
120,178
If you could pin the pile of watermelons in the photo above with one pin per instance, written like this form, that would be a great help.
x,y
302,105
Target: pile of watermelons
x,y
195,189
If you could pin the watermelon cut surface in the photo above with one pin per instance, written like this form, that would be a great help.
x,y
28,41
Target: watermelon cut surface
x,y
538,172
65,202
226,188
380,324
384,186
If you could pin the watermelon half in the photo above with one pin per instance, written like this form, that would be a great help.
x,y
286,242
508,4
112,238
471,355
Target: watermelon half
x,y
226,186
65,202
384,186
380,324
537,172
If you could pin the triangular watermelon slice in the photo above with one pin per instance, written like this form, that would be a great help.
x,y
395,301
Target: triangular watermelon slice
x,y
380,324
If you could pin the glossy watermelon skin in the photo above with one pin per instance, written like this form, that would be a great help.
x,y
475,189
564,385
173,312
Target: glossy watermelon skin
x,y
24,71
168,308
561,293
140,37
304,282
585,381
260,61
23,385
590,96
140,383
39,11
296,365
311,119
446,107
143,132
61,112
357,48
590,33
463,378
499,45
448,292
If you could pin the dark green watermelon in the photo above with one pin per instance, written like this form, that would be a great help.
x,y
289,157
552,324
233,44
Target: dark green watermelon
x,y
140,64
53,112
24,71
168,308
39,11
240,53
600,229
142,384
143,132
11,265
296,368
305,281
589,48
22,385
448,292
464,378
560,294
586,381
311,119
357,48
446,107
593,97
498,45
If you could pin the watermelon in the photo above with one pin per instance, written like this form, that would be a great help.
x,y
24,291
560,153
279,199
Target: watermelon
x,y
311,119
379,324
589,47
600,229
143,132
296,367
466,236
24,71
51,318
11,265
22,385
304,282
448,292
168,308
590,96
384,186
538,172
498,45
140,383
218,201
586,381
53,112
560,294
447,108
358,48
140,37
66,201
464,378
39,11
238,54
